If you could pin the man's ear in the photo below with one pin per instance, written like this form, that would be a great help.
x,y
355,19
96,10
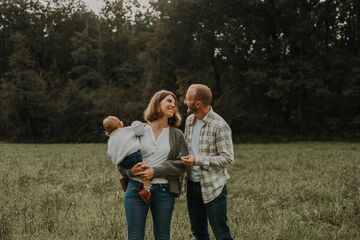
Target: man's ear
x,y
198,104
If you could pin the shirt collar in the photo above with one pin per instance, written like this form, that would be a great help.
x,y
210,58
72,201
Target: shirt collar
x,y
206,119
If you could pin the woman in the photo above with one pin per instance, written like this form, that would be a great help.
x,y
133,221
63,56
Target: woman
x,y
162,145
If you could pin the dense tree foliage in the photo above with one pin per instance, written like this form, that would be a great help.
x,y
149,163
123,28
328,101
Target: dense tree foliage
x,y
278,69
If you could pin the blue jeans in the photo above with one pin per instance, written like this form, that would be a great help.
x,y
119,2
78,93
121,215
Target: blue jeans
x,y
131,159
161,206
199,213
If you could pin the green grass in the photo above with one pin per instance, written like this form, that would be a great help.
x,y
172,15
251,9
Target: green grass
x,y
276,191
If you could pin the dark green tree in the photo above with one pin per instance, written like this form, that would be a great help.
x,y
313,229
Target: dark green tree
x,y
27,107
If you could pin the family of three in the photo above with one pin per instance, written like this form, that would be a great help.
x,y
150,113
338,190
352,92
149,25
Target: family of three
x,y
157,161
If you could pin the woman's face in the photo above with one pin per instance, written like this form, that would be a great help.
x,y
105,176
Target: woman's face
x,y
168,106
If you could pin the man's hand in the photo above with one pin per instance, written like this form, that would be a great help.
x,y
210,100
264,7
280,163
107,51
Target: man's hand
x,y
148,173
189,161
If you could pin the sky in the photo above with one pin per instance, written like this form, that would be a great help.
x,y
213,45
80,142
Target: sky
x,y
95,5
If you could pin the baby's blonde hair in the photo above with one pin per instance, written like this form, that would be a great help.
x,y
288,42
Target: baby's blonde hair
x,y
111,123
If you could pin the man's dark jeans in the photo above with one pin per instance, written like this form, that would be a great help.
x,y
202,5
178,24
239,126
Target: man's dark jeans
x,y
199,213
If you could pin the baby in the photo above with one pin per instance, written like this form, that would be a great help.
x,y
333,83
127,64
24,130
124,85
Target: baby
x,y
124,149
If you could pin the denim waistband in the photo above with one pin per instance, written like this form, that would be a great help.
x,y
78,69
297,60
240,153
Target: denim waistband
x,y
159,186
153,185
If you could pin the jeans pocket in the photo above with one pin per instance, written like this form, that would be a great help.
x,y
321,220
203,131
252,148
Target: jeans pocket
x,y
165,189
133,186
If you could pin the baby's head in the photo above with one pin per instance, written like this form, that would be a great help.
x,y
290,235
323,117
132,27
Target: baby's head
x,y
111,123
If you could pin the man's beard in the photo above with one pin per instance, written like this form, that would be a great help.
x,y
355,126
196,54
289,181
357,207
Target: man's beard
x,y
192,109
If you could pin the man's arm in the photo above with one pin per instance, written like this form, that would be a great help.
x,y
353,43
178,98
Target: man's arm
x,y
225,151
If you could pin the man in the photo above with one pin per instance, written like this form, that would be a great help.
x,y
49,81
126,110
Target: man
x,y
210,146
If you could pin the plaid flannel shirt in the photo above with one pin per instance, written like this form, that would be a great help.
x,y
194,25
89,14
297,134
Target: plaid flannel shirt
x,y
216,152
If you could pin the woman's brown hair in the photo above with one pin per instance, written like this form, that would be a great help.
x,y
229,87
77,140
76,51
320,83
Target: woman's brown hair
x,y
153,111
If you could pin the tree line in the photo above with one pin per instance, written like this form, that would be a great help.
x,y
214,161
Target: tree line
x,y
278,69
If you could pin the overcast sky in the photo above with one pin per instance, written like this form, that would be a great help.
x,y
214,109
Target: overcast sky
x,y
96,4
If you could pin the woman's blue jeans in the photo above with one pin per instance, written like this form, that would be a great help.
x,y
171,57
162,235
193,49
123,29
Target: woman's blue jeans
x,y
161,206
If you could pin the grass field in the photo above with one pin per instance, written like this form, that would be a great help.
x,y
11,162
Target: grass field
x,y
276,191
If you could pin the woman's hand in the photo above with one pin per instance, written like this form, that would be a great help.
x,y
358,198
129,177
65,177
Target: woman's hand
x,y
139,167
189,161
148,173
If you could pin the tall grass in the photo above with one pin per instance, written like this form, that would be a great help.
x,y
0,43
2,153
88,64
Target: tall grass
x,y
276,191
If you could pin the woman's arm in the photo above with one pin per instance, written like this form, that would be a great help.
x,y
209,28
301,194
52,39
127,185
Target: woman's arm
x,y
124,172
171,169
132,172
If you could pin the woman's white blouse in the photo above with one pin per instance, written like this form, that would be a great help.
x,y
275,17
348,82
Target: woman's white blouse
x,y
155,151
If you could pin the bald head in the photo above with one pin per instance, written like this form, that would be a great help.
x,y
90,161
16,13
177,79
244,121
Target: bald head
x,y
111,123
202,93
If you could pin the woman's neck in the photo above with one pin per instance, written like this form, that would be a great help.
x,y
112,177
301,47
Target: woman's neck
x,y
160,123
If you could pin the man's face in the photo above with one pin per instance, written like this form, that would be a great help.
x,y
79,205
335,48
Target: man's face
x,y
190,101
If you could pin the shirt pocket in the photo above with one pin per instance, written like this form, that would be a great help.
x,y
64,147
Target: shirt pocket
x,y
210,139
